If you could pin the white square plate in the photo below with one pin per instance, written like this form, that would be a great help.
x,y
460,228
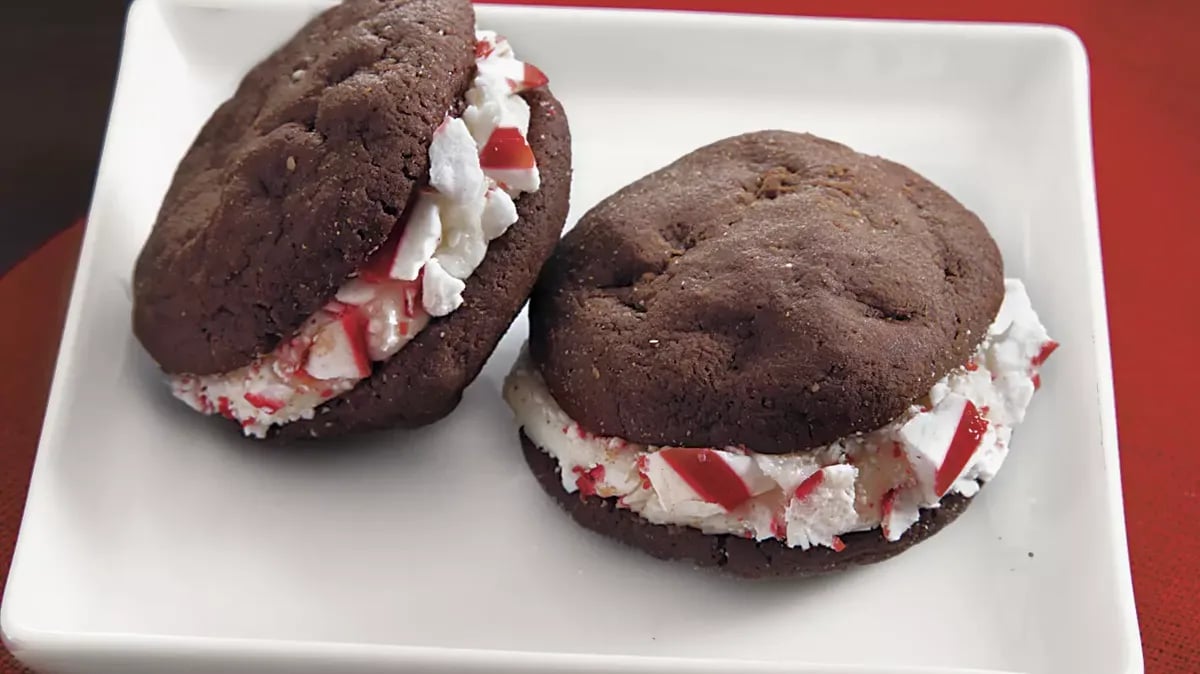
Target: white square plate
x,y
153,540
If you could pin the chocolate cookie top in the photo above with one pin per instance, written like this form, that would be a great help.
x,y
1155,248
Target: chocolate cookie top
x,y
773,290
297,178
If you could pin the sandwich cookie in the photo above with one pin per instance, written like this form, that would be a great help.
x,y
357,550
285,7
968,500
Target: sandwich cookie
x,y
776,356
352,232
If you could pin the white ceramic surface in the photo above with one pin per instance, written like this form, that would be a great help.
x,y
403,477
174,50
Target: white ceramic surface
x,y
154,540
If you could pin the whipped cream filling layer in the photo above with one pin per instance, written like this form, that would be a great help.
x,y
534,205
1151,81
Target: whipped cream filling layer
x,y
478,164
949,444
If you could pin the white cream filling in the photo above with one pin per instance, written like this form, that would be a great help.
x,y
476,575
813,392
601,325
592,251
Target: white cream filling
x,y
479,163
806,498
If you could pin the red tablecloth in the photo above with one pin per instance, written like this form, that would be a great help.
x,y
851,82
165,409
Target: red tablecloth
x,y
1146,104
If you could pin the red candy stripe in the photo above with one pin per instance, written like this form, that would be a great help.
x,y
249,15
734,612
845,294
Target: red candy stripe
x,y
378,266
532,78
971,427
809,484
506,149
708,475
1047,349
412,291
262,402
888,504
586,479
641,468
355,324
779,526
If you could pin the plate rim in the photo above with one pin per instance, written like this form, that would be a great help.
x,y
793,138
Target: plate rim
x,y
23,640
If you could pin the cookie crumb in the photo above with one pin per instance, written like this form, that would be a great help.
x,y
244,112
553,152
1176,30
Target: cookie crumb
x,y
291,163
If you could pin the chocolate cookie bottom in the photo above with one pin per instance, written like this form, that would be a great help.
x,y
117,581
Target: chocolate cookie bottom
x,y
734,555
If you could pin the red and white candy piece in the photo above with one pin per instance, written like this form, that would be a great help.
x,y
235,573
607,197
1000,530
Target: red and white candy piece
x,y
1043,353
454,163
396,315
403,253
339,350
379,264
499,213
532,77
586,479
1037,361
809,485
493,95
682,474
269,399
899,510
821,507
941,443
463,244
508,159
420,238
441,292
489,44
411,293
519,75
290,356
506,149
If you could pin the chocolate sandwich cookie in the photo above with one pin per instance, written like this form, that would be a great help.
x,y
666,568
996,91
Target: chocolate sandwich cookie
x,y
771,350
351,233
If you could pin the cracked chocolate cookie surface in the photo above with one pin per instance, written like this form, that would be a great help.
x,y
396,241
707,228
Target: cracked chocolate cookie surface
x,y
773,290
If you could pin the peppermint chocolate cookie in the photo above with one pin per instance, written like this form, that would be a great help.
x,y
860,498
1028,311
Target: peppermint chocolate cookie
x,y
352,232
777,356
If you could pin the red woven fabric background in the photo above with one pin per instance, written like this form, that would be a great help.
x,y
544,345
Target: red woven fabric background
x,y
1146,106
